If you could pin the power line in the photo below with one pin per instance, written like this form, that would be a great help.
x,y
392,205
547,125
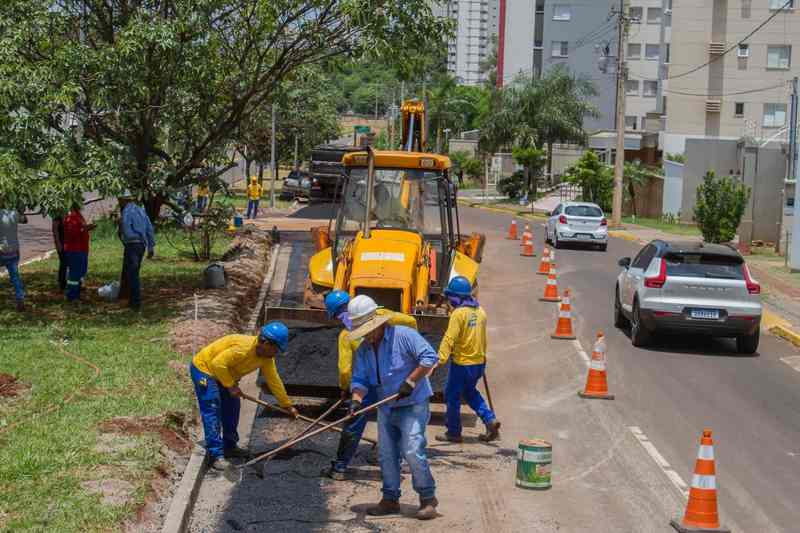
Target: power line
x,y
734,93
736,45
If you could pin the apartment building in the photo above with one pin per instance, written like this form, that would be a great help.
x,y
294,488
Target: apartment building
x,y
647,48
744,92
540,34
476,23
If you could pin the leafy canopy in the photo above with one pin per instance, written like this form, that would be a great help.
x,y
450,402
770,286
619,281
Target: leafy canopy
x,y
719,207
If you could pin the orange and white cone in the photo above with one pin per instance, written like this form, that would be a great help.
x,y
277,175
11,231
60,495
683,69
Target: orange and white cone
x,y
701,511
564,323
551,287
512,231
596,382
527,243
544,264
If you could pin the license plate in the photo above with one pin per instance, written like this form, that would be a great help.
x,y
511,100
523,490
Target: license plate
x,y
584,236
708,314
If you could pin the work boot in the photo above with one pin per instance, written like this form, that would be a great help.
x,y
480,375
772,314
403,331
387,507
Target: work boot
x,y
236,453
220,464
331,472
384,507
447,437
427,508
492,431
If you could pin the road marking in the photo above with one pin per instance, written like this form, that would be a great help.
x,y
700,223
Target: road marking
x,y
793,361
662,463
577,344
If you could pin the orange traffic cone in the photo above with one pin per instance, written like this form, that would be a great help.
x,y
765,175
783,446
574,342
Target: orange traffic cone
x,y
596,383
544,264
564,323
512,231
701,511
551,288
527,242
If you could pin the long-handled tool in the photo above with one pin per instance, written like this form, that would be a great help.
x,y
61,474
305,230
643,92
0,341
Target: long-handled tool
x,y
488,392
319,430
301,417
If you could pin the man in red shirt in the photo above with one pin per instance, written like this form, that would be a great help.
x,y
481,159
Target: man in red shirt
x,y
76,251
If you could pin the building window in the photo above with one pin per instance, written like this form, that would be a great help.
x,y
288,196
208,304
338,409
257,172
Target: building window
x,y
562,12
738,110
744,50
654,15
779,56
630,122
774,115
560,49
779,4
634,51
652,52
650,88
635,13
632,87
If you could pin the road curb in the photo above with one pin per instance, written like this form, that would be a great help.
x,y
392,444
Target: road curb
x,y
779,326
504,210
180,509
625,235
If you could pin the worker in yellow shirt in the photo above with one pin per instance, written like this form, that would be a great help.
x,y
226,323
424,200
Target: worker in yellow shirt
x,y
202,196
253,197
216,371
465,341
336,307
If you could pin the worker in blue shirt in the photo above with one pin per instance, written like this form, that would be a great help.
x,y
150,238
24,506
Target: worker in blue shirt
x,y
137,235
395,360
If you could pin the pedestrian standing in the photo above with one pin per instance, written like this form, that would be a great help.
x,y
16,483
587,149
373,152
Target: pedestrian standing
x,y
465,341
9,249
395,360
216,371
336,306
137,235
253,197
76,251
202,196
57,228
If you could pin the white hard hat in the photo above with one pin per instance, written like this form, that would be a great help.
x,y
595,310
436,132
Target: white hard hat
x,y
361,309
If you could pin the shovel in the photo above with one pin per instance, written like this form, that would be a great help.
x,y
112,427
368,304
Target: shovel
x,y
315,422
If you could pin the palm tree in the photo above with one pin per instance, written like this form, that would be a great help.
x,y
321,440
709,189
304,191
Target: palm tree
x,y
635,176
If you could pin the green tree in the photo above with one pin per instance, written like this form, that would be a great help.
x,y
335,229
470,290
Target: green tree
x,y
719,207
141,95
532,161
595,179
635,176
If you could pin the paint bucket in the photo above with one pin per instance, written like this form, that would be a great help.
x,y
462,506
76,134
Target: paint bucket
x,y
534,458
237,221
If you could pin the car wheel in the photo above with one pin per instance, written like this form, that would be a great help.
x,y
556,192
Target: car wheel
x,y
556,244
546,235
747,344
604,247
639,334
620,320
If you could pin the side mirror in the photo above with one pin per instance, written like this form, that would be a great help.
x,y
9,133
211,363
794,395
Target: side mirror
x,y
625,262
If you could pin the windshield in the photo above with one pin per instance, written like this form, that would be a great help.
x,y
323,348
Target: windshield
x,y
583,211
704,266
402,198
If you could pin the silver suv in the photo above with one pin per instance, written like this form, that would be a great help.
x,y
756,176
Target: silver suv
x,y
688,287
580,222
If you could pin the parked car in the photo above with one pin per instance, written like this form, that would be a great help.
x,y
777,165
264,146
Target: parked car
x,y
580,222
299,184
690,288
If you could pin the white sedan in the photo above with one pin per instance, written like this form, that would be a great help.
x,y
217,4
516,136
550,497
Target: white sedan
x,y
578,222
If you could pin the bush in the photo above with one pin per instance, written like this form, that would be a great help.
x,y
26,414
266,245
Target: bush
x,y
595,179
513,186
719,207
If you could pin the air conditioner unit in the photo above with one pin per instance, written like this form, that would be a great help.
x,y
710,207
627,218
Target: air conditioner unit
x,y
743,52
716,48
713,106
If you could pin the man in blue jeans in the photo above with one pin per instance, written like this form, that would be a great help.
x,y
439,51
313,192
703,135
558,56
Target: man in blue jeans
x,y
9,250
395,360
137,235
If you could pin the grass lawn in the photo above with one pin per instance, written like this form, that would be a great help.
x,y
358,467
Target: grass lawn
x,y
765,257
654,223
49,433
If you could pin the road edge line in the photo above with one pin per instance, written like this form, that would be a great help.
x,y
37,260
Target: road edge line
x,y
182,504
675,478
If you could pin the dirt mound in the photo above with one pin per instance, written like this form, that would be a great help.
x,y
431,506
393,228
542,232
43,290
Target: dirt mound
x,y
10,386
172,428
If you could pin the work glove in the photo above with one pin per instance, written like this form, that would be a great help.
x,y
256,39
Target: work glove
x,y
406,388
355,406
293,412
345,394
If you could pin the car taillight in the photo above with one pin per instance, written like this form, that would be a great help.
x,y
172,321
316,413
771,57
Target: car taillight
x,y
604,222
753,287
562,219
656,282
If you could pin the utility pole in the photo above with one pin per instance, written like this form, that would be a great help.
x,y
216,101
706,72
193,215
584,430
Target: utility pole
x,y
296,151
619,162
794,165
273,166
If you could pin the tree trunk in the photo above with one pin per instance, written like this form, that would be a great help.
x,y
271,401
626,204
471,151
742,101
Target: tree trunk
x,y
550,162
632,192
247,163
528,185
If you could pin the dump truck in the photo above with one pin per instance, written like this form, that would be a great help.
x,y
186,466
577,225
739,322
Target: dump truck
x,y
326,167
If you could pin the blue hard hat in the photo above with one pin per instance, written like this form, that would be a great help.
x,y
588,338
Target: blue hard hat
x,y
334,302
277,333
458,286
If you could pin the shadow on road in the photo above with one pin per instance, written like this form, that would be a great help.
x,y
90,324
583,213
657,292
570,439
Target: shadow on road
x,y
694,345
318,211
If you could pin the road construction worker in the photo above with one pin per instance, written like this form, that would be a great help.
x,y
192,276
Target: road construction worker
x,y
395,360
253,197
76,250
336,307
465,341
216,371
202,196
